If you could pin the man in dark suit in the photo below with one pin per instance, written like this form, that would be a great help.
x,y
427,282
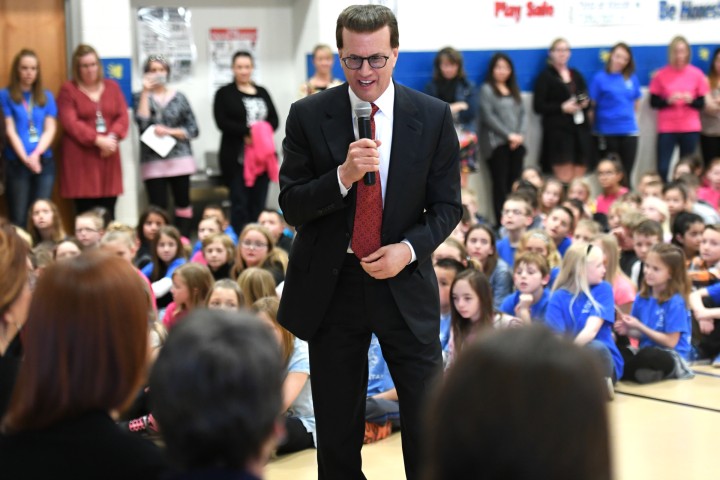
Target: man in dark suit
x,y
349,274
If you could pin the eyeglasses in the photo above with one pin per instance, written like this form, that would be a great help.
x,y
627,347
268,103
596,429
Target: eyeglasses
x,y
253,245
355,63
85,230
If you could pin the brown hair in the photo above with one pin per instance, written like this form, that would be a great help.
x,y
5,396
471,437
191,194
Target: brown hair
x,y
256,283
58,232
159,270
367,19
673,257
553,257
609,245
13,265
38,93
85,342
462,327
80,51
269,306
714,75
451,55
488,266
630,67
674,42
531,258
199,282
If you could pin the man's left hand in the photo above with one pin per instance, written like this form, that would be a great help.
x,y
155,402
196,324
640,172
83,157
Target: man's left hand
x,y
387,261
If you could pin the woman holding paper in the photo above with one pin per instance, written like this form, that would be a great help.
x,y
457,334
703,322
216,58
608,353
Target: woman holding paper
x,y
166,123
93,114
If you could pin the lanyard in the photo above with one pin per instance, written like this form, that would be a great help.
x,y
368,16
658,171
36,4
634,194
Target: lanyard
x,y
29,110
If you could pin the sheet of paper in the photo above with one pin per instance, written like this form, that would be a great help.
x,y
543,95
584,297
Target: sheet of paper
x,y
161,145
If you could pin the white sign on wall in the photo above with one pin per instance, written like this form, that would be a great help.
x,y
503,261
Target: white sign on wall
x,y
222,45
167,31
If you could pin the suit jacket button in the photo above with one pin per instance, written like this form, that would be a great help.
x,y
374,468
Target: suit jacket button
x,y
335,271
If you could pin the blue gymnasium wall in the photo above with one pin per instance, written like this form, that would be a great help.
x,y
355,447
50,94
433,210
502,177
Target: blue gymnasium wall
x,y
414,69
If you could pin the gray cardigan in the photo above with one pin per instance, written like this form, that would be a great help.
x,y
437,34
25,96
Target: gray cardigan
x,y
499,117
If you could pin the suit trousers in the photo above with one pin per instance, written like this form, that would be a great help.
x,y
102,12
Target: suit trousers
x,y
339,368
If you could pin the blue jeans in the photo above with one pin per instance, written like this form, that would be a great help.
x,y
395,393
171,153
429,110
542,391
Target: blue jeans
x,y
246,203
666,143
24,187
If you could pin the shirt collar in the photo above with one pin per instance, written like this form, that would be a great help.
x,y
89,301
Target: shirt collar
x,y
386,101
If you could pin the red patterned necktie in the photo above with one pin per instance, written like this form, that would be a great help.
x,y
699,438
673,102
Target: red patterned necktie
x,y
368,210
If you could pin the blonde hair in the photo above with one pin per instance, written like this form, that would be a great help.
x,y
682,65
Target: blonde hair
x,y
226,242
573,272
609,244
673,43
93,216
275,257
256,283
127,237
590,225
582,182
269,306
662,207
226,284
553,256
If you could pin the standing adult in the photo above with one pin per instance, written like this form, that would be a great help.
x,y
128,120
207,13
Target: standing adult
x,y
678,92
561,98
168,113
450,84
30,124
503,123
323,78
710,114
615,96
93,114
238,107
336,299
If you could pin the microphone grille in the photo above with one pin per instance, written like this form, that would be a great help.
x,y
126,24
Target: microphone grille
x,y
363,109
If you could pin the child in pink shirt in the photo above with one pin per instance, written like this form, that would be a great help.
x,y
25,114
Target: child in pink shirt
x,y
710,192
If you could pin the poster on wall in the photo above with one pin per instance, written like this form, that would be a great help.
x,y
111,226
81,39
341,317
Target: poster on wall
x,y
604,13
167,31
222,44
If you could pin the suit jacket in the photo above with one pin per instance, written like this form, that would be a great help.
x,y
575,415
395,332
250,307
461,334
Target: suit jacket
x,y
422,203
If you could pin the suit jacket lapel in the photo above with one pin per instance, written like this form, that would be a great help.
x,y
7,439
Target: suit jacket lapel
x,y
407,130
337,129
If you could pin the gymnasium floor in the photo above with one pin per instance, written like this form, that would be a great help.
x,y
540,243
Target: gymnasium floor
x,y
664,431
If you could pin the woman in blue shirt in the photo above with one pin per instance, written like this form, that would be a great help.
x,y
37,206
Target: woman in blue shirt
x,y
615,94
30,113
582,306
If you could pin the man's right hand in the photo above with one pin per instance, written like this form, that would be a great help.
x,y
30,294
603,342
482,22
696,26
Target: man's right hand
x,y
362,157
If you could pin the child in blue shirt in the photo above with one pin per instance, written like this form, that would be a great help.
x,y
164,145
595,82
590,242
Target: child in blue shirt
x,y
529,302
516,218
660,319
382,410
560,224
582,307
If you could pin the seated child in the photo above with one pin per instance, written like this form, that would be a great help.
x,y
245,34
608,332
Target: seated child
x,y
275,223
207,227
89,229
516,218
660,319
645,235
529,302
382,410
560,224
217,211
445,270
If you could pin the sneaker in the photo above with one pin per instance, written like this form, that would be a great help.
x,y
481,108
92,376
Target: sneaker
x,y
716,362
375,432
610,388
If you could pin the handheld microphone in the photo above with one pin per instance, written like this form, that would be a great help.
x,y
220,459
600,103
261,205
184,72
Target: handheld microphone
x,y
363,110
